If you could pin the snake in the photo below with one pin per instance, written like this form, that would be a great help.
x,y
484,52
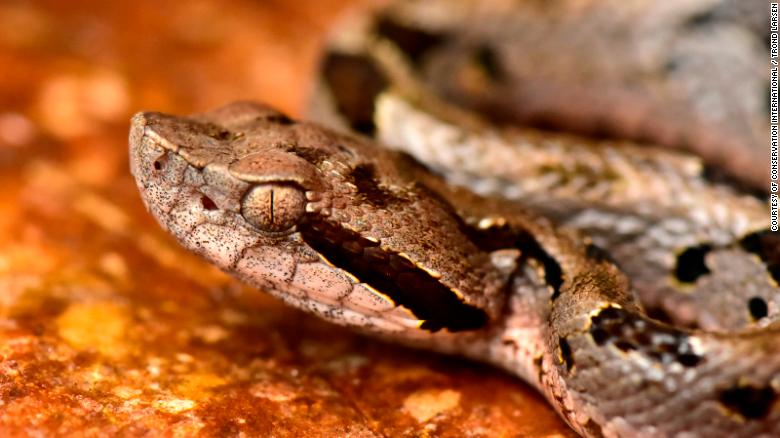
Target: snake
x,y
636,293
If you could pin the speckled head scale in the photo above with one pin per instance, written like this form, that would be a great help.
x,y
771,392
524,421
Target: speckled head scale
x,y
238,183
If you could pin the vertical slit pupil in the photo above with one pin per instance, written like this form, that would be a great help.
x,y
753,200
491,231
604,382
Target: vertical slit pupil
x,y
271,207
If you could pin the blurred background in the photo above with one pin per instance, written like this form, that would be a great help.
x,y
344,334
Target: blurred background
x,y
107,327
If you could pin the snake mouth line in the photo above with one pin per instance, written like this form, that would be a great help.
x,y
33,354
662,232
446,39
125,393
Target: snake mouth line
x,y
393,275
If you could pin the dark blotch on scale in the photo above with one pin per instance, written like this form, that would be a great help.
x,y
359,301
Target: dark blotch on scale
x,y
365,179
705,18
389,273
503,237
751,402
489,61
354,82
566,354
553,274
628,332
758,308
415,43
691,265
766,245
312,155
215,131
281,119
716,175
593,429
599,254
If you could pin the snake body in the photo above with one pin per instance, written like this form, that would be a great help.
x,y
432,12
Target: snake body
x,y
688,74
501,247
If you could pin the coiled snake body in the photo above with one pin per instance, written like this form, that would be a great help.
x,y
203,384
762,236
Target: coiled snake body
x,y
534,266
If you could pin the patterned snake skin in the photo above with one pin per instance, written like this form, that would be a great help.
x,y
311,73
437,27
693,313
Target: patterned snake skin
x,y
639,296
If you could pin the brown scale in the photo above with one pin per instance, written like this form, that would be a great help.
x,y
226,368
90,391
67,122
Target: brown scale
x,y
629,332
392,275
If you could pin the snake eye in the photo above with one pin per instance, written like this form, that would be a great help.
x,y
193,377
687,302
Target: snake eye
x,y
274,207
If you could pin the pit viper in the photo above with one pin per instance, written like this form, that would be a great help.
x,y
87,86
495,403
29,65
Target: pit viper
x,y
637,293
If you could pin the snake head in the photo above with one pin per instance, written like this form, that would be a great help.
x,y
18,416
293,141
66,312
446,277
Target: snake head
x,y
327,222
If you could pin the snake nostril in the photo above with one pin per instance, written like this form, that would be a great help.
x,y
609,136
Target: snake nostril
x,y
159,163
208,203
757,308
